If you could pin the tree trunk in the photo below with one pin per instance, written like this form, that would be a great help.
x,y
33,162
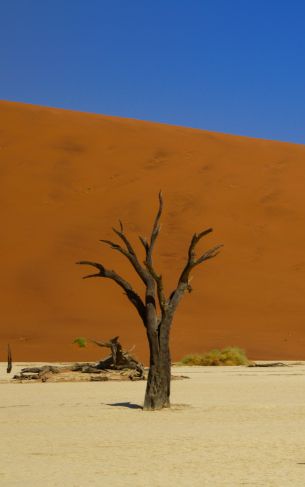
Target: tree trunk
x,y
158,383
9,360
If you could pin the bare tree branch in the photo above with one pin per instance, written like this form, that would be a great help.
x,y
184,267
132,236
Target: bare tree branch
x,y
148,259
184,279
196,238
120,233
210,254
105,344
115,246
155,230
192,261
154,233
144,243
133,297
128,252
160,289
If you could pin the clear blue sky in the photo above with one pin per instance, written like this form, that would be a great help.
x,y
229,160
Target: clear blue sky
x,y
235,66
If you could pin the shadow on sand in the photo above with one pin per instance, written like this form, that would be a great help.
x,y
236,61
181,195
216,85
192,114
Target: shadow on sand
x,y
129,405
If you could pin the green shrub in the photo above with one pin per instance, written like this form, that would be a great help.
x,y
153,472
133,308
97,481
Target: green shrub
x,y
81,342
226,356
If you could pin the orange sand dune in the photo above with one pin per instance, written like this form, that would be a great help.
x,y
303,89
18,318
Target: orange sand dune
x,y
67,177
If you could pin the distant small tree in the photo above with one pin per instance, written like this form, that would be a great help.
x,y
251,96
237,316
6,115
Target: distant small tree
x,y
157,310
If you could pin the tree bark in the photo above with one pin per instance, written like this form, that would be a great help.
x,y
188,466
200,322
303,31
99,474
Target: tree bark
x,y
9,360
158,382
157,395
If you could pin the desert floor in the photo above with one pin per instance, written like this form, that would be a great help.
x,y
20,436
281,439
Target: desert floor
x,y
229,426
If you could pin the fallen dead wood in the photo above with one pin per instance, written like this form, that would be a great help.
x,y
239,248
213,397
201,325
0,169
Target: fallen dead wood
x,y
271,364
76,373
119,358
98,378
69,374
120,365
72,374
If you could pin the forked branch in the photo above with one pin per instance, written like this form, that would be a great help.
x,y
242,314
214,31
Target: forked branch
x,y
128,252
133,297
160,289
192,261
155,230
151,278
149,246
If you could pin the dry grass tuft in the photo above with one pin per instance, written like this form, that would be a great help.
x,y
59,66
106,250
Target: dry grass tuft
x,y
226,356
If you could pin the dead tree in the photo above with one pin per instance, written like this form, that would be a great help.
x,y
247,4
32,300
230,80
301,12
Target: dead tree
x,y
157,310
119,359
117,354
9,360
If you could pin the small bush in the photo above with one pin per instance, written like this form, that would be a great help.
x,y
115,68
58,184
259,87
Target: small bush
x,y
226,356
81,342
